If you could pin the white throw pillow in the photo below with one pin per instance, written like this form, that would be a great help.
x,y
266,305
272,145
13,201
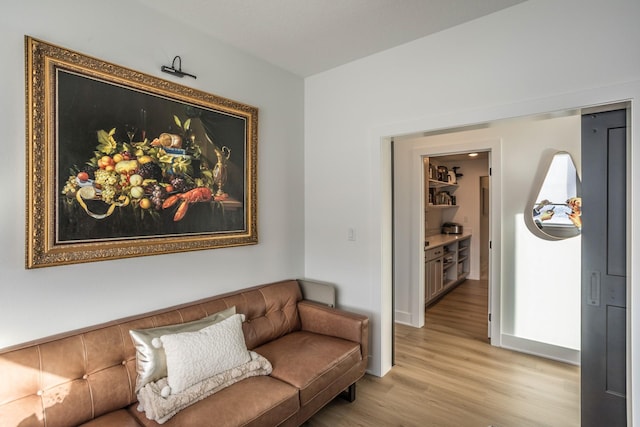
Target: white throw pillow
x,y
195,356
151,364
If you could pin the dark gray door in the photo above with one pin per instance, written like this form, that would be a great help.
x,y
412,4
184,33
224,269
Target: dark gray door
x,y
604,305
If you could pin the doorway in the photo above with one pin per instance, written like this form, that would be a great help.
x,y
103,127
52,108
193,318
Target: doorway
x,y
454,213
410,220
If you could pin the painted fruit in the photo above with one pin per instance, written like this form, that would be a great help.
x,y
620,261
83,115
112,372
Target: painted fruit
x,y
145,203
126,166
87,192
107,160
83,176
137,192
135,179
144,159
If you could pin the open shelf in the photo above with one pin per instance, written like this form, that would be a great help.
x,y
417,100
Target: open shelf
x,y
441,206
434,183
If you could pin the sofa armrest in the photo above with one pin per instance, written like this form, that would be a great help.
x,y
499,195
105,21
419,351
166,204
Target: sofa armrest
x,y
321,319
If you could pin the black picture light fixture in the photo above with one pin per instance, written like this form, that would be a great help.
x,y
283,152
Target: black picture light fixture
x,y
176,71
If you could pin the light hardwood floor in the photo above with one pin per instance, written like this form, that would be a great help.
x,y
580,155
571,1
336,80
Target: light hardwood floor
x,y
447,374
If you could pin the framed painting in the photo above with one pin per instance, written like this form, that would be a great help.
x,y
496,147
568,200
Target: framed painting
x,y
123,164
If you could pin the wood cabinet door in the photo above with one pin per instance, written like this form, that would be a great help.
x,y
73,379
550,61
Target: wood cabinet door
x,y
434,278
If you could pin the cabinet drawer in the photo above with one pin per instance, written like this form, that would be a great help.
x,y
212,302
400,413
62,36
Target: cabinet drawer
x,y
433,253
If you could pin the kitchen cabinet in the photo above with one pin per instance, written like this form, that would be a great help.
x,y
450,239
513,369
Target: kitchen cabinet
x,y
434,272
446,264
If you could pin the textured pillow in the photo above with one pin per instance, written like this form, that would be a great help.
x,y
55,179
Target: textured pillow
x,y
195,356
151,363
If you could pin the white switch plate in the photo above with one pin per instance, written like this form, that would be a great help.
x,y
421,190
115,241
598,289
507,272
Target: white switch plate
x,y
351,234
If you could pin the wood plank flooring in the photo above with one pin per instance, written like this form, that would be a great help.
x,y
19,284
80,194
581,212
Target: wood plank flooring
x,y
447,374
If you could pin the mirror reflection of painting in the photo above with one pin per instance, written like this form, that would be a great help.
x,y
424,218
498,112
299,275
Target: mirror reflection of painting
x,y
557,208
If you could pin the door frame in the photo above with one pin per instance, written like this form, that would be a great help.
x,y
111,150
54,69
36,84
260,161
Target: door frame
x,y
485,236
416,207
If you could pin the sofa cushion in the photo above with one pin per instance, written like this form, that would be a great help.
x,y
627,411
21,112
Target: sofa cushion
x,y
151,362
161,408
271,310
309,361
255,401
120,418
196,356
66,381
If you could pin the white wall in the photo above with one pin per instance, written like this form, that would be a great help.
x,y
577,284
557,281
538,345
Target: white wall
x,y
546,295
538,56
40,302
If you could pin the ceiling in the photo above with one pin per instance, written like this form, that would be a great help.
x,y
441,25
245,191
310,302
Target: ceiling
x,y
306,37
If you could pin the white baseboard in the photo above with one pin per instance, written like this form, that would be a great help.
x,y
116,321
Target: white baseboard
x,y
403,317
536,348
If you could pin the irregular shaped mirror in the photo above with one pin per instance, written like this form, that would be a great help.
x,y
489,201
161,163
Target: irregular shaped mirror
x,y
556,209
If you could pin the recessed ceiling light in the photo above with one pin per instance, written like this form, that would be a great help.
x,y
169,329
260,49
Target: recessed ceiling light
x,y
473,154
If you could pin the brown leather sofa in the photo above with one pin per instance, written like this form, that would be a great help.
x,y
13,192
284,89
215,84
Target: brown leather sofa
x,y
88,377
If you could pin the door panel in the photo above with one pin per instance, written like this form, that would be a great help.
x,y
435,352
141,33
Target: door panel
x,y
604,313
616,206
616,351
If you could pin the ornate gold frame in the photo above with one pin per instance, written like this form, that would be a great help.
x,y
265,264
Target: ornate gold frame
x,y
44,62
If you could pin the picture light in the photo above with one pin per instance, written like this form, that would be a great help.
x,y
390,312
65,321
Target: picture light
x,y
176,71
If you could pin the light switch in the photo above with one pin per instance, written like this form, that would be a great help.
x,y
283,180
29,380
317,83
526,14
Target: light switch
x,y
351,234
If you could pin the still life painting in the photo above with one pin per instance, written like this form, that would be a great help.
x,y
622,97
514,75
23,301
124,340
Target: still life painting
x,y
122,164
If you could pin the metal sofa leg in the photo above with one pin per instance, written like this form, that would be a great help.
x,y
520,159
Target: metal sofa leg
x,y
349,394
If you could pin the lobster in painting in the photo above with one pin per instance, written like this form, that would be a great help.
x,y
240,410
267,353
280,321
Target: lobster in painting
x,y
199,194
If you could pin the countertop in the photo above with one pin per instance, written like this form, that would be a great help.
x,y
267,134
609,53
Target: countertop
x,y
443,239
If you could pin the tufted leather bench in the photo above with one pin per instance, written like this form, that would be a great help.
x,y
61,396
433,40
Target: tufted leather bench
x,y
87,377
